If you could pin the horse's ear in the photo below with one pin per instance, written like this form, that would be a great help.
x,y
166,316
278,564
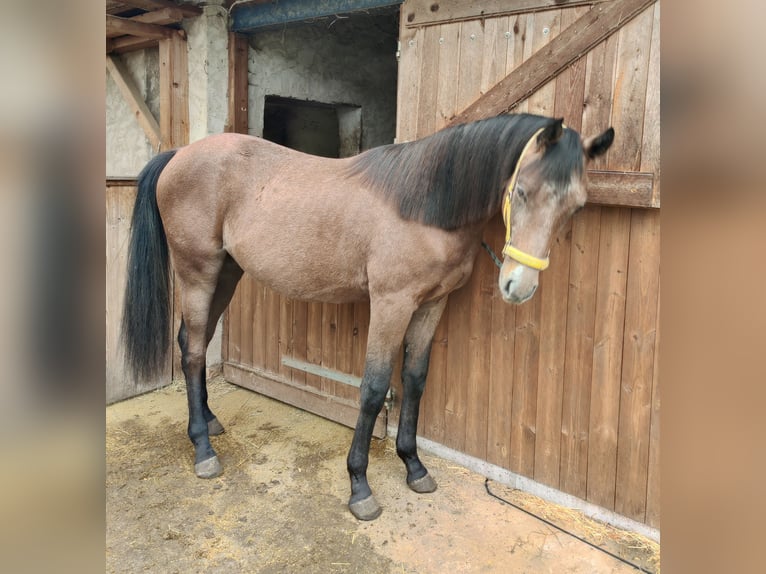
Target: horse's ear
x,y
597,145
551,134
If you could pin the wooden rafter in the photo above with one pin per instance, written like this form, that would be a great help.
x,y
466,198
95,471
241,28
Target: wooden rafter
x,y
116,26
575,41
134,99
161,17
149,5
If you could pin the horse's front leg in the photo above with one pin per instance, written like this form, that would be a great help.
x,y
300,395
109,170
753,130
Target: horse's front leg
x,y
387,325
417,351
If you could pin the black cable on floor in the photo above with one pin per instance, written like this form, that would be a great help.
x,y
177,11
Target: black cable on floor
x,y
549,523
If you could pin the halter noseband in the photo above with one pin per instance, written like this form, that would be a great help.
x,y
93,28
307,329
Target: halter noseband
x,y
509,250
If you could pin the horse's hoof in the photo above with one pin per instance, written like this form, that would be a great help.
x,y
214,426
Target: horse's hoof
x,y
214,428
367,509
209,468
423,485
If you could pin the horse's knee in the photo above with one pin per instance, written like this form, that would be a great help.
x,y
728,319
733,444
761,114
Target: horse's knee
x,y
373,392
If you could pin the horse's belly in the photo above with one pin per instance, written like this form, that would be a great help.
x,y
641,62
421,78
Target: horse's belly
x,y
307,278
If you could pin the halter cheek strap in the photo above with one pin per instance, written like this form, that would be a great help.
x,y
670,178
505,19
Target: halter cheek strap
x,y
509,250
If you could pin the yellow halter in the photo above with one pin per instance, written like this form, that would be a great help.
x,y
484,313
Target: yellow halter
x,y
509,250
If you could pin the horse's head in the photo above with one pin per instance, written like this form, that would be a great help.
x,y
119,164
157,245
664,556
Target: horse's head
x,y
548,186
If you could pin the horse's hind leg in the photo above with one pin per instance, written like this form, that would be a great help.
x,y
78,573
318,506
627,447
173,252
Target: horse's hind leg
x,y
228,279
202,294
417,351
388,321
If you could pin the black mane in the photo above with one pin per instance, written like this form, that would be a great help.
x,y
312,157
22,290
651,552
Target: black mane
x,y
455,177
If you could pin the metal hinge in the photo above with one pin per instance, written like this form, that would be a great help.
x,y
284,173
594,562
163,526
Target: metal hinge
x,y
398,50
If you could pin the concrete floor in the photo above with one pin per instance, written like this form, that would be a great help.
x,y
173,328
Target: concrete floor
x,y
280,505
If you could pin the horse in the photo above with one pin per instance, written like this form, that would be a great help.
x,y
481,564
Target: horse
x,y
399,225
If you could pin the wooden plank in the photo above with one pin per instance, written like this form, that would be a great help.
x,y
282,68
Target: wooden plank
x,y
360,331
134,99
607,356
637,365
125,44
517,30
161,17
570,84
286,341
314,341
554,291
344,349
650,150
434,419
174,92
116,26
272,311
542,29
630,83
246,320
501,365
117,386
408,83
464,351
428,82
599,23
416,13
581,318
483,286
300,330
621,188
526,362
653,479
302,396
449,50
329,343
456,372
237,120
235,324
259,326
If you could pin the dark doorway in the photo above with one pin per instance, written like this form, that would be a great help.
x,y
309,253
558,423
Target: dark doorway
x,y
327,130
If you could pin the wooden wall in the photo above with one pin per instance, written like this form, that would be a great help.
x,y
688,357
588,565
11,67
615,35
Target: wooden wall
x,y
120,197
565,388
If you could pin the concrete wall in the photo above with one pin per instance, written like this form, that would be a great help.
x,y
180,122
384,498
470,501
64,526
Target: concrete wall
x,y
344,61
127,148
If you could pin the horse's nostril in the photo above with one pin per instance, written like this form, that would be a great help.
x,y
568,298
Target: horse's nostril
x,y
507,287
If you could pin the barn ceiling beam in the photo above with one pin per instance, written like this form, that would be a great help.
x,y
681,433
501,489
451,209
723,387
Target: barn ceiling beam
x,y
134,99
250,17
116,26
161,17
150,5
428,12
575,41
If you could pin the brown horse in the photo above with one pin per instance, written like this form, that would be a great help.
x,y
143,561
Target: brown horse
x,y
399,225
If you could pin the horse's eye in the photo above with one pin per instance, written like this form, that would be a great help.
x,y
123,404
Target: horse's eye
x,y
522,193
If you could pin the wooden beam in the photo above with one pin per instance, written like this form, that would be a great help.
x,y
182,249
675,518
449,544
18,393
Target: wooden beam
x,y
161,17
418,13
575,41
238,93
134,99
128,44
116,26
188,11
621,189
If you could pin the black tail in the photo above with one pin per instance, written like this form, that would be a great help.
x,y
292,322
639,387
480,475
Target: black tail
x,y
146,311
